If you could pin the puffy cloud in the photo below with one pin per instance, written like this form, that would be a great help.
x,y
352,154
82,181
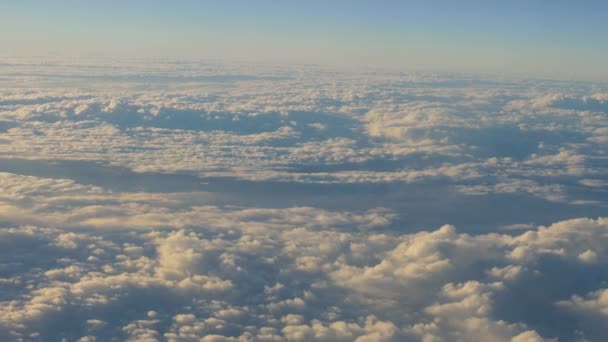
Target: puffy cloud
x,y
268,128
594,303
289,279
141,209
590,312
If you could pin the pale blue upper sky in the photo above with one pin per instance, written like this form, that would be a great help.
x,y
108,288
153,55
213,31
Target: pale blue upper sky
x,y
557,39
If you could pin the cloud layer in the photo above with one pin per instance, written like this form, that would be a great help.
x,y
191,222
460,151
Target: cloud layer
x,y
133,266
190,202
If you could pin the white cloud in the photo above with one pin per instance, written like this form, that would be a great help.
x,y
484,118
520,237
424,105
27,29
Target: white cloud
x,y
82,262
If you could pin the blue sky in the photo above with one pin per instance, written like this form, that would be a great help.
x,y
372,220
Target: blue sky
x,y
558,39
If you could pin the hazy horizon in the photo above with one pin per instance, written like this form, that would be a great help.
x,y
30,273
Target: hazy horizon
x,y
552,39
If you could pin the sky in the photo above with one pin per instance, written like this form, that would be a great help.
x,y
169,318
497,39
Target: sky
x,y
553,39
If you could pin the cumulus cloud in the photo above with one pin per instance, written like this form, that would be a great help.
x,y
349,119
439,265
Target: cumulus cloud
x,y
268,130
292,274
189,202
